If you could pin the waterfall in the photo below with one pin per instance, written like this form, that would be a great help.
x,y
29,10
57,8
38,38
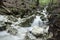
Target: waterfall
x,y
38,21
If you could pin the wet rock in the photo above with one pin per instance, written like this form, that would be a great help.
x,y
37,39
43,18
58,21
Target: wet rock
x,y
12,18
30,35
39,31
2,28
28,22
12,31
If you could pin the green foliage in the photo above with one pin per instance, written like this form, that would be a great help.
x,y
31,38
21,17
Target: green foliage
x,y
46,2
54,1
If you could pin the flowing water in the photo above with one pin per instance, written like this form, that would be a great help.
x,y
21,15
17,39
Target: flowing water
x,y
23,33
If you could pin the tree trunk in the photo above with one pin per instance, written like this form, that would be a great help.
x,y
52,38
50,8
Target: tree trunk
x,y
37,3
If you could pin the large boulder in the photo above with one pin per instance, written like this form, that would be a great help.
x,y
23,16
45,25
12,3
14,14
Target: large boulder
x,y
39,31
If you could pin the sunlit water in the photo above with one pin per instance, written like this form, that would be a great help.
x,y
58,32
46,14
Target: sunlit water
x,y
22,32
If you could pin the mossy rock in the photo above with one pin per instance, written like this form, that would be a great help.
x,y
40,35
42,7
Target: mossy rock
x,y
27,23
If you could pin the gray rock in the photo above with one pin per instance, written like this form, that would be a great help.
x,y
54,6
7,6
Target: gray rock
x,y
12,31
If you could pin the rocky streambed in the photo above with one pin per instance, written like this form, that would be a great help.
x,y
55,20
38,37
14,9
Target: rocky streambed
x,y
11,27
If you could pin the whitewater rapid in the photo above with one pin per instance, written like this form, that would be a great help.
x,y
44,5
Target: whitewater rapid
x,y
37,27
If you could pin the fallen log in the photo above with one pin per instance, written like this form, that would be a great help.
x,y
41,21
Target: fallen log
x,y
6,9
